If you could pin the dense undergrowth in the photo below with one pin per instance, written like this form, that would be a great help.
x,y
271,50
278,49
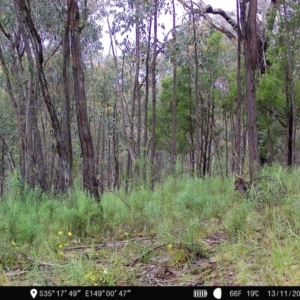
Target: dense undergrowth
x,y
192,230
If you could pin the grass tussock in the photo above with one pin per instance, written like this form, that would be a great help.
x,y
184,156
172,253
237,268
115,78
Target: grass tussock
x,y
187,230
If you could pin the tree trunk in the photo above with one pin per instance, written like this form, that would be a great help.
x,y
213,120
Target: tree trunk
x,y
248,21
17,115
102,150
66,118
153,130
90,182
2,168
147,62
174,92
197,102
226,144
289,123
137,84
191,127
121,99
24,12
116,151
34,147
290,96
238,167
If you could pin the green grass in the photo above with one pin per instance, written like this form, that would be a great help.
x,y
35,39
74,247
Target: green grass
x,y
186,230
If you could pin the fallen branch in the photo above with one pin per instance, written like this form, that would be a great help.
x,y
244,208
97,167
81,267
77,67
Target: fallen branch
x,y
110,245
49,264
133,262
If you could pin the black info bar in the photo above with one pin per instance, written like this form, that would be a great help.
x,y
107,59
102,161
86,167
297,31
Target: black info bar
x,y
168,292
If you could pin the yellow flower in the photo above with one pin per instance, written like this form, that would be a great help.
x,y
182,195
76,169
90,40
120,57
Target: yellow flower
x,y
14,243
59,245
66,244
60,254
60,232
69,233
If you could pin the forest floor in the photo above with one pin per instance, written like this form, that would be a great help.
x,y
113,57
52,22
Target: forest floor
x,y
143,261
187,232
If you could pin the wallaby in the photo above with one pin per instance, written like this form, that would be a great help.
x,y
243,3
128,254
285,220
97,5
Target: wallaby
x,y
241,185
264,185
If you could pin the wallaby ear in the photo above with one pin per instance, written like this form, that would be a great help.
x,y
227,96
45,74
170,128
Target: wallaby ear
x,y
239,179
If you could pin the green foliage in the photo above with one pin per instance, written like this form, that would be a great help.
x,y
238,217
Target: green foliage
x,y
274,92
183,220
82,215
212,81
184,111
33,216
99,277
236,223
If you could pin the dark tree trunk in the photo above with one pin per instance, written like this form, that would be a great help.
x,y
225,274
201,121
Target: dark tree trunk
x,y
198,153
2,168
191,126
116,151
147,62
66,118
41,172
34,147
211,135
109,160
137,84
233,142
238,167
25,115
102,151
90,182
25,14
290,96
174,91
226,145
153,130
17,115
289,123
248,21
19,108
